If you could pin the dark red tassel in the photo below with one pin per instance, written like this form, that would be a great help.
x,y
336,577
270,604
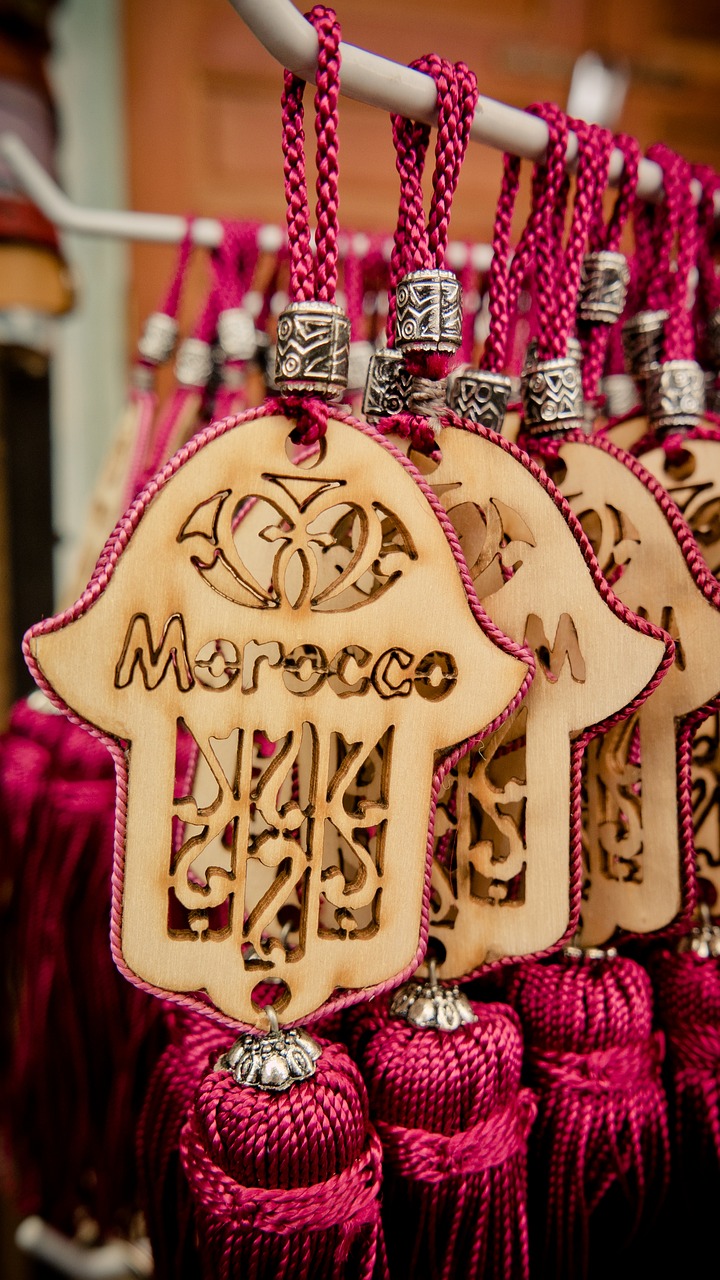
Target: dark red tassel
x,y
285,1185
84,1039
687,988
453,1122
599,1152
195,1044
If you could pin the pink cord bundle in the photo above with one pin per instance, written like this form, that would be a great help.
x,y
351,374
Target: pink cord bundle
x,y
453,1122
599,1150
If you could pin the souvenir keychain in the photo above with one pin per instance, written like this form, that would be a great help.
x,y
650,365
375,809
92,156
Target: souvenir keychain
x,y
610,1145
682,450
630,523
507,889
175,629
507,882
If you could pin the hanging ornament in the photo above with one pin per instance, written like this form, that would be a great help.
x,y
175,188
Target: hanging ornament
x,y
647,553
638,874
506,876
177,631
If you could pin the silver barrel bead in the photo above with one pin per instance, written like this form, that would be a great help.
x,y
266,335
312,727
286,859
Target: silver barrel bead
x,y
603,287
312,350
479,396
387,387
642,339
552,397
675,394
429,312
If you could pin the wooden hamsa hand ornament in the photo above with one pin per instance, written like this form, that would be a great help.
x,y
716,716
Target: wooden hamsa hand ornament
x,y
639,843
689,470
507,870
361,638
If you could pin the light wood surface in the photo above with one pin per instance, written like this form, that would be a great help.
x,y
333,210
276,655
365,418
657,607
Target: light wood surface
x,y
504,888
633,840
362,635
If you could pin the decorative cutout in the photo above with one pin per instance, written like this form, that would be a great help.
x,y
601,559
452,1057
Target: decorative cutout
x,y
637,850
508,830
312,631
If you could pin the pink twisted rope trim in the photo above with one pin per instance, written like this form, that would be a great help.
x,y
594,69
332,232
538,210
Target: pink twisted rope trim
x,y
146,401
609,237
116,544
709,282
494,354
594,148
307,283
534,248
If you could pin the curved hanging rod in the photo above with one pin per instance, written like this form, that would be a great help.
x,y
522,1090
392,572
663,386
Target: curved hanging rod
x,y
369,78
169,228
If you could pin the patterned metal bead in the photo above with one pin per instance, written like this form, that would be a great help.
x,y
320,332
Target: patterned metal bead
x,y
604,281
621,394
272,1062
236,334
361,353
479,396
712,392
430,1006
194,362
552,396
312,352
675,394
429,312
642,339
158,338
713,334
387,387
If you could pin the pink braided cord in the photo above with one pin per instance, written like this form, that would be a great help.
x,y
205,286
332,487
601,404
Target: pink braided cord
x,y
534,250
433,1157
681,237
318,280
418,244
609,236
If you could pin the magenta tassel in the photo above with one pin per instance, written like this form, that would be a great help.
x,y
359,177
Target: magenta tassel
x,y
285,1186
453,1122
599,1151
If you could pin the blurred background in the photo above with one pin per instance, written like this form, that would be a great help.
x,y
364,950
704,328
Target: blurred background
x,y
173,106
